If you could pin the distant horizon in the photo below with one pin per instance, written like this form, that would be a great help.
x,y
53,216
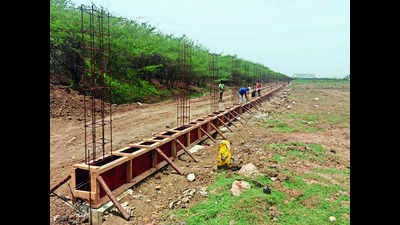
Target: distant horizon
x,y
289,37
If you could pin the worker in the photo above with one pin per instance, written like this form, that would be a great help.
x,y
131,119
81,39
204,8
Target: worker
x,y
224,154
258,88
243,92
221,90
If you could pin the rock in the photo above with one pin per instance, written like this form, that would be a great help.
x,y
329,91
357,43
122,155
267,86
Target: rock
x,y
140,104
148,200
289,107
191,177
137,196
174,203
266,190
316,99
332,218
238,186
158,187
274,212
185,200
249,170
273,178
189,192
203,191
316,106
235,191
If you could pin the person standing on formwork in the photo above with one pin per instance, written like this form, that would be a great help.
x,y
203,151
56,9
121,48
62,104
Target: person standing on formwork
x,y
258,88
221,90
243,92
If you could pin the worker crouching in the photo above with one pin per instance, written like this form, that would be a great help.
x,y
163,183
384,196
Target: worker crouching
x,y
225,159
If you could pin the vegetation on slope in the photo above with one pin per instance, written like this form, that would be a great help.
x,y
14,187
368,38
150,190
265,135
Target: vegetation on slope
x,y
140,56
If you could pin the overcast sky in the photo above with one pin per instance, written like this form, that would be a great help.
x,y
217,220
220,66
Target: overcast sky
x,y
288,36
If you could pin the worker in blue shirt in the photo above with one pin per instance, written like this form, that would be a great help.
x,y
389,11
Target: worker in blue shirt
x,y
243,92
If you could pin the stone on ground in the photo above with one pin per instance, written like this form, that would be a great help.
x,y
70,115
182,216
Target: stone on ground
x,y
249,170
238,186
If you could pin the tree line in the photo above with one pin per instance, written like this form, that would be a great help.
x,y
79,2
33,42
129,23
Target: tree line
x,y
140,54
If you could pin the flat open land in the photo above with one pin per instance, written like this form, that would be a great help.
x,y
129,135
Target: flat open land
x,y
299,142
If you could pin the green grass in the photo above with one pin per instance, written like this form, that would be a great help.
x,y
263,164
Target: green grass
x,y
300,123
310,122
279,126
252,206
278,158
221,207
345,172
315,152
314,204
283,146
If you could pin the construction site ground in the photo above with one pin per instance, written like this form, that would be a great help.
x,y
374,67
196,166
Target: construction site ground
x,y
302,133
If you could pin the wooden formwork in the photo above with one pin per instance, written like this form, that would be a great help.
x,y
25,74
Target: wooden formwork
x,y
129,165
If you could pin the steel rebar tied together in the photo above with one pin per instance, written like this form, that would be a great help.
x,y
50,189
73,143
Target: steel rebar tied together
x,y
213,70
235,78
96,81
185,69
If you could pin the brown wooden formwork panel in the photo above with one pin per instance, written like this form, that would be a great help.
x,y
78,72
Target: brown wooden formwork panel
x,y
110,164
98,200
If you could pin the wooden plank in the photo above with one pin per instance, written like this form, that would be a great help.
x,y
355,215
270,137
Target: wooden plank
x,y
84,166
218,131
173,148
110,165
236,116
255,106
65,179
94,186
169,161
187,152
227,127
129,171
82,194
244,107
208,135
112,198
154,158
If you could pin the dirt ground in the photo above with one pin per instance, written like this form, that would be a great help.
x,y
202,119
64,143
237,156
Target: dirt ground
x,y
151,199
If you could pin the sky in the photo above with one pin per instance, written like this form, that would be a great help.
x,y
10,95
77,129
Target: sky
x,y
288,36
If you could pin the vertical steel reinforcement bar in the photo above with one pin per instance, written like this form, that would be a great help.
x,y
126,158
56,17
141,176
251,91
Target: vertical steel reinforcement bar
x,y
185,69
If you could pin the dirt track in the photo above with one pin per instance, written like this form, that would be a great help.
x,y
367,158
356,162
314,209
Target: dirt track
x,y
131,123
